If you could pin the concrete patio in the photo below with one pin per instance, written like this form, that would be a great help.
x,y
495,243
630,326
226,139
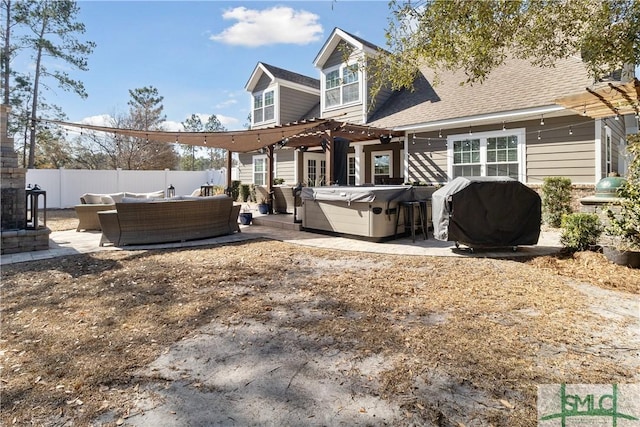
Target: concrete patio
x,y
281,227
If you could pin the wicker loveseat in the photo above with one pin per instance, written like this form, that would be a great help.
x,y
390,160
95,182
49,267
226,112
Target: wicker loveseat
x,y
92,203
136,222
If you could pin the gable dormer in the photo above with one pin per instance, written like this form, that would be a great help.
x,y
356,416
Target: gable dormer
x,y
280,96
344,88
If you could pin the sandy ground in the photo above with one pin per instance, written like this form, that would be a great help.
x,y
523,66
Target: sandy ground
x,y
268,333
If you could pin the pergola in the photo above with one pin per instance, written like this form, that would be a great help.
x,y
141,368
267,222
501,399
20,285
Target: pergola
x,y
605,100
301,134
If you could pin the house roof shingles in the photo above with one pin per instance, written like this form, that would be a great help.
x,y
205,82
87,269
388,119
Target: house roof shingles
x,y
282,74
516,85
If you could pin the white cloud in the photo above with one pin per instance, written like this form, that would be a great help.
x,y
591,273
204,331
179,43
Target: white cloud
x,y
99,120
230,123
276,25
171,126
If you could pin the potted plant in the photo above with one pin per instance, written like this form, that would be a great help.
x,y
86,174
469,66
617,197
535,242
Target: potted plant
x,y
246,216
263,206
622,245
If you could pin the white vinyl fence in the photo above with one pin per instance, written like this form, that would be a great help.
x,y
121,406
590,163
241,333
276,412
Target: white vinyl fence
x,y
65,186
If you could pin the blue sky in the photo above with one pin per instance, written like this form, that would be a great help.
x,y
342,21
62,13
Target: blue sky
x,y
199,55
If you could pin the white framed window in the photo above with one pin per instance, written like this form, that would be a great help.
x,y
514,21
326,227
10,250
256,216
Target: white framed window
x,y
264,107
499,153
341,85
260,168
608,151
381,165
351,169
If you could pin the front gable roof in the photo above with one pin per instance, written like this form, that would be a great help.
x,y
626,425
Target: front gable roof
x,y
276,74
338,35
516,85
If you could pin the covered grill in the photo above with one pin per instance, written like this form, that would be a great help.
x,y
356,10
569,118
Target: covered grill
x,y
487,212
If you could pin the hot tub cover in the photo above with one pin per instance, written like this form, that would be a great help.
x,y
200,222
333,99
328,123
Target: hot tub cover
x,y
487,211
385,193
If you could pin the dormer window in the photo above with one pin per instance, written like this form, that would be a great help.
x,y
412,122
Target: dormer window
x,y
263,107
342,86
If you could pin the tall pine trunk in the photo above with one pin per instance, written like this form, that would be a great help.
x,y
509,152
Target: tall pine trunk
x,y
34,105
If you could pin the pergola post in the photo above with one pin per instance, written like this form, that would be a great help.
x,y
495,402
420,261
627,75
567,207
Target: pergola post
x,y
229,183
299,160
269,149
330,157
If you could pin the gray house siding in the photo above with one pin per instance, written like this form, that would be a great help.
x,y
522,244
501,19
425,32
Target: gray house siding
x,y
351,114
263,83
294,104
337,56
245,168
556,153
284,166
427,158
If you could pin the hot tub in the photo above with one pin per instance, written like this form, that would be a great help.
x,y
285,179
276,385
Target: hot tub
x,y
365,212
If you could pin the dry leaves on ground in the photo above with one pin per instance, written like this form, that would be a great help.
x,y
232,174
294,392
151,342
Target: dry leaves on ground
x,y
76,329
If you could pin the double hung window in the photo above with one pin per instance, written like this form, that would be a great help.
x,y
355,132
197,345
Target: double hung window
x,y
260,170
342,86
263,107
487,154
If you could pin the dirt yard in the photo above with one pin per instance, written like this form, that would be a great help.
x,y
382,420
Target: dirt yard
x,y
457,341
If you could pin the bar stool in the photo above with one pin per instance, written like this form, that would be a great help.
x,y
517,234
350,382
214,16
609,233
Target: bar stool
x,y
409,210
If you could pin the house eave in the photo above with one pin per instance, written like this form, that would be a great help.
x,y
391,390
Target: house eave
x,y
483,119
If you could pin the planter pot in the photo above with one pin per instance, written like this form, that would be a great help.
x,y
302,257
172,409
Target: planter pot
x,y
263,208
245,218
628,258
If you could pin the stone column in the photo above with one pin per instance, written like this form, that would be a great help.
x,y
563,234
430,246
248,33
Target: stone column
x,y
15,238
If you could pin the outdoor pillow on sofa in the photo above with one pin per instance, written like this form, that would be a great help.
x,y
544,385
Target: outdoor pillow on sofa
x,y
153,195
96,199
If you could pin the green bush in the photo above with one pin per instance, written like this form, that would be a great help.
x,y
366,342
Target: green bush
x,y
235,189
556,200
580,231
245,192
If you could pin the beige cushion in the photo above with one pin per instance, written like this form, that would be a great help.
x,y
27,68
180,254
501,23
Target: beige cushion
x,y
152,195
97,199
92,199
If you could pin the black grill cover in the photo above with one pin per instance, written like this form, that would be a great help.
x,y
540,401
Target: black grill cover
x,y
487,211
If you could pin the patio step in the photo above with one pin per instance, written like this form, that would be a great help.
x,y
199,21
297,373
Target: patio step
x,y
283,221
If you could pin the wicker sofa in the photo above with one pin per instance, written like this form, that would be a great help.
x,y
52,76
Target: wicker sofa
x,y
92,203
139,221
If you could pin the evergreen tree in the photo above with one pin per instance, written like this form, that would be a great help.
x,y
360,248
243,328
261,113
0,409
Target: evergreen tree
x,y
51,32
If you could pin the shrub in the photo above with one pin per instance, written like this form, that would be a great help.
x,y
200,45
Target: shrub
x,y
580,231
235,189
245,192
556,199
